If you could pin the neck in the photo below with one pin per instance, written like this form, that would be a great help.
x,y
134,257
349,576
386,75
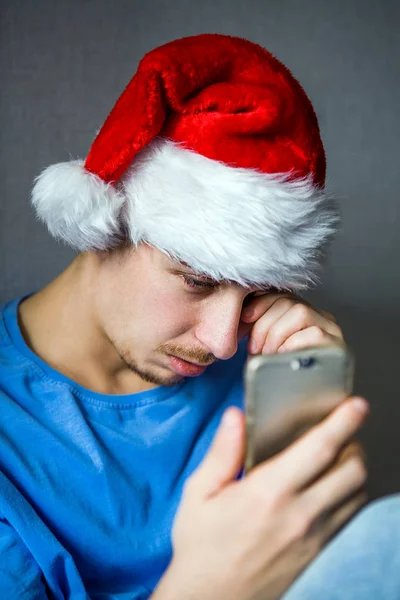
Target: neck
x,y
60,324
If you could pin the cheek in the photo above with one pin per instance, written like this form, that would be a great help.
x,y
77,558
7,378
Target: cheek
x,y
166,312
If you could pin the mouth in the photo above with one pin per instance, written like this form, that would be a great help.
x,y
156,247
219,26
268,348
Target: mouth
x,y
184,367
193,363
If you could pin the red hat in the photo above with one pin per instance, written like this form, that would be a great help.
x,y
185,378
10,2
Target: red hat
x,y
213,155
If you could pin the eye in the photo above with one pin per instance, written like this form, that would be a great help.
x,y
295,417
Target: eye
x,y
249,297
197,283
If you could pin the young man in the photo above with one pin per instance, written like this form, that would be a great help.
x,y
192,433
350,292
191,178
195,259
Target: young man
x,y
198,215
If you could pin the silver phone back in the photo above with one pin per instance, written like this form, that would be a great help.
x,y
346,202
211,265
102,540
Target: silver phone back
x,y
284,399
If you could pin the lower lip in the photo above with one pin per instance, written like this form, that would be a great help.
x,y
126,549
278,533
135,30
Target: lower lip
x,y
182,367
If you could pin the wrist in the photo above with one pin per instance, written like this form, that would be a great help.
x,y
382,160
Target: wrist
x,y
177,584
170,586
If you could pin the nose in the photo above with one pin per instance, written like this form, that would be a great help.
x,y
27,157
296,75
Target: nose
x,y
218,328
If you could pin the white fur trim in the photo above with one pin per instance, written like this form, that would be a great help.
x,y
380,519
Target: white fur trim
x,y
228,223
77,206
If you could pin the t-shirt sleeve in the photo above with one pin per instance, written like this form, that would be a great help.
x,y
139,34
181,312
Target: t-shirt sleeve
x,y
20,575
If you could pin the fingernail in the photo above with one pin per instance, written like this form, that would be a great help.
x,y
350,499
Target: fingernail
x,y
361,405
229,419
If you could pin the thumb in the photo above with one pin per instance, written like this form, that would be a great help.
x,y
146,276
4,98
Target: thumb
x,y
225,456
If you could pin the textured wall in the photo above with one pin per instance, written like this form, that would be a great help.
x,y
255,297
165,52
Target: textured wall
x,y
63,64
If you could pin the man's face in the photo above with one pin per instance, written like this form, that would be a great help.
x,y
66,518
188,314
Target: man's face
x,y
151,307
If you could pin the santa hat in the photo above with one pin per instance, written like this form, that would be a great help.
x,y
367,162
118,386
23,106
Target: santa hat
x,y
212,154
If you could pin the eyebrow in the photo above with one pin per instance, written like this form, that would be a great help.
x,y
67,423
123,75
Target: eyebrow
x,y
198,274
185,265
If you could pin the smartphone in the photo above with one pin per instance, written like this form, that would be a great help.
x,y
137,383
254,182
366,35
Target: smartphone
x,y
286,394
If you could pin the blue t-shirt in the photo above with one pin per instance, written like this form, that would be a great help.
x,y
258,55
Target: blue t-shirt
x,y
89,482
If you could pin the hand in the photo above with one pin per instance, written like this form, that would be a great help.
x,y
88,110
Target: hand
x,y
249,539
284,322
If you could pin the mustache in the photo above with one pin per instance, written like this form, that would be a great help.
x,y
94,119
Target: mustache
x,y
195,355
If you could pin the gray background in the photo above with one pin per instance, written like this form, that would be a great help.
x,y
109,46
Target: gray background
x,y
64,63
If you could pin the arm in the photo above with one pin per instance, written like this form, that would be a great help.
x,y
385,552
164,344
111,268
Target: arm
x,y
20,576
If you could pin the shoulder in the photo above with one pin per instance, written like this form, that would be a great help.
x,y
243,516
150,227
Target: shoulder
x,y
14,366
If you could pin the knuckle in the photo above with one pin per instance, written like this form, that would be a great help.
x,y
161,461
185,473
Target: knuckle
x,y
359,471
300,523
285,303
266,501
317,332
301,311
329,316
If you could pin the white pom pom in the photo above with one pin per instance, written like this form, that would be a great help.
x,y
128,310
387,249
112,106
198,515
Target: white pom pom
x,y
77,206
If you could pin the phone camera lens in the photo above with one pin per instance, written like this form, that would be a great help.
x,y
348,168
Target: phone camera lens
x,y
302,363
306,362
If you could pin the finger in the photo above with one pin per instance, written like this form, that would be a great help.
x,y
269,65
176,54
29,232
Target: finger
x,y
353,449
297,318
315,451
260,305
342,481
309,338
261,327
224,458
339,517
